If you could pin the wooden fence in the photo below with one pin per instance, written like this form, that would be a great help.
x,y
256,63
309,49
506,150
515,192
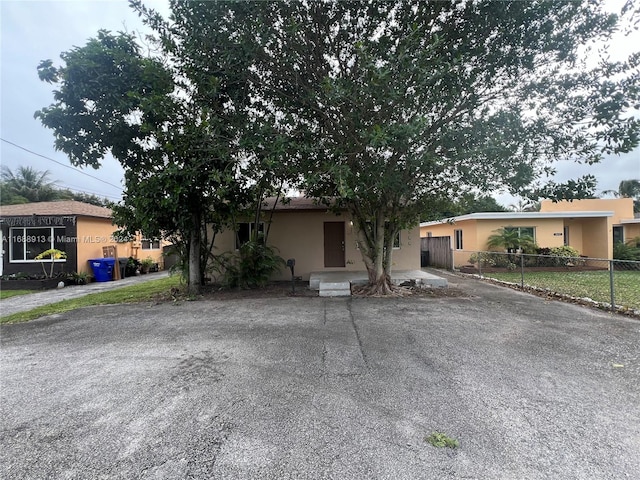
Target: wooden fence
x,y
436,252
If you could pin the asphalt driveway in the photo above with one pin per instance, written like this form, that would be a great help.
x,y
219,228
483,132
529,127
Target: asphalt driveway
x,y
323,388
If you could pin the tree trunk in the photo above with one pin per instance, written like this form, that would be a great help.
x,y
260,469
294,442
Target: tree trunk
x,y
373,256
195,277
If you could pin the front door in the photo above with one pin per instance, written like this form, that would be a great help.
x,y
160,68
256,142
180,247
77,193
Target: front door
x,y
334,244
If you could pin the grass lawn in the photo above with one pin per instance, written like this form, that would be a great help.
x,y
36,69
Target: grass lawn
x,y
13,293
142,292
591,284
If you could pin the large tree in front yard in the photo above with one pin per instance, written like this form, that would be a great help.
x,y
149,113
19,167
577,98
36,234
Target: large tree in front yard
x,y
176,152
393,106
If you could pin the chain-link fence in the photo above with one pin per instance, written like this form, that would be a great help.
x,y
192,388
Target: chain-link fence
x,y
611,283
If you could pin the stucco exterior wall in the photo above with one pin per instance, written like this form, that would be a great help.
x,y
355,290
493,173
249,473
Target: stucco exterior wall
x,y
300,235
597,241
631,231
622,207
93,234
575,233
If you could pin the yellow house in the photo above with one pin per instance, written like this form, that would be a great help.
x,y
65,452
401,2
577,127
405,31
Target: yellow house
x,y
318,240
79,229
590,226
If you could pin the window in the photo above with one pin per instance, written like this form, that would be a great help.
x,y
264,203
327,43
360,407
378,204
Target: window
x,y
25,244
148,244
245,231
618,234
523,231
565,234
458,235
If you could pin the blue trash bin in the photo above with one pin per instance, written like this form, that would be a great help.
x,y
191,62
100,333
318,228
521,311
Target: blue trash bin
x,y
102,268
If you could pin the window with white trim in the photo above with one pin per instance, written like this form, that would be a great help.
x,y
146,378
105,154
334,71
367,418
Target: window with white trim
x,y
458,239
26,243
148,244
523,231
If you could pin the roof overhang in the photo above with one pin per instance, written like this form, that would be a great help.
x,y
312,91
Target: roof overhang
x,y
513,216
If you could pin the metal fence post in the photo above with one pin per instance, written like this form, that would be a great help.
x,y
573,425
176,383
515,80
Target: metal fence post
x,y
613,305
522,271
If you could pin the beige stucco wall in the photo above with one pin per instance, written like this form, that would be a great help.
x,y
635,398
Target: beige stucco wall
x,y
622,208
300,235
631,230
136,251
93,234
475,233
592,237
597,240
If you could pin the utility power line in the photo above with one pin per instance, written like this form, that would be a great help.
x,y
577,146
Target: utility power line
x,y
77,189
60,163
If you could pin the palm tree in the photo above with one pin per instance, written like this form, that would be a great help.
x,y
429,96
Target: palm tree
x,y
28,184
525,206
510,239
627,189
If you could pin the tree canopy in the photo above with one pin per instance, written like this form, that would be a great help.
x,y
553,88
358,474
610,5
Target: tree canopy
x,y
627,189
393,106
385,108
26,185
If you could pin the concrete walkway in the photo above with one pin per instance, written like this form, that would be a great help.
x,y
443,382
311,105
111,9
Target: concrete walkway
x,y
22,303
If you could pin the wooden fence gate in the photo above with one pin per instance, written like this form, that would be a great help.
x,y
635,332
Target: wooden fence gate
x,y
435,252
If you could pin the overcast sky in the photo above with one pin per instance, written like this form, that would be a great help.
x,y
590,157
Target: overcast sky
x,y
38,30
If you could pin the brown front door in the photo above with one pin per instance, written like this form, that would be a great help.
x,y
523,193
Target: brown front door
x,y
334,244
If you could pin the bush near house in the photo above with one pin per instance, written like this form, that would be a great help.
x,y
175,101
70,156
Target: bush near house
x,y
629,250
544,257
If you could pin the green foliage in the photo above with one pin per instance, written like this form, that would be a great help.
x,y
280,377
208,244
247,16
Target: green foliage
x,y
511,240
555,257
627,189
53,254
253,266
392,107
80,278
26,185
176,151
582,284
387,109
13,293
629,250
467,203
442,440
142,292
147,264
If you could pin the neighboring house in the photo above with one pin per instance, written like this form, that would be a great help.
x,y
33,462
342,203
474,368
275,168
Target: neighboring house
x,y
318,240
79,229
590,226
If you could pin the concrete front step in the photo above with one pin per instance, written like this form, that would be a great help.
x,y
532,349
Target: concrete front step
x,y
335,289
421,278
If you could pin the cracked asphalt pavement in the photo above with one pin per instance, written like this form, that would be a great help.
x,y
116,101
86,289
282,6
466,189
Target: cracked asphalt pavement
x,y
323,388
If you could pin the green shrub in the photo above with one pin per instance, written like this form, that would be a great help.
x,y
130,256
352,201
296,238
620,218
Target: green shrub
x,y
628,250
252,267
557,256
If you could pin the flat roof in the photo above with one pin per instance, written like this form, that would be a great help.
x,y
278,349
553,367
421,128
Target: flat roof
x,y
519,216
